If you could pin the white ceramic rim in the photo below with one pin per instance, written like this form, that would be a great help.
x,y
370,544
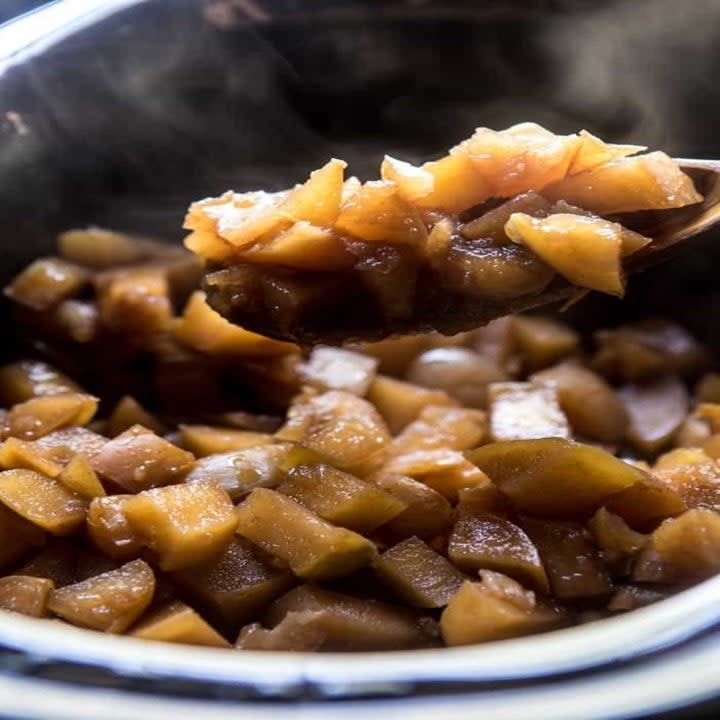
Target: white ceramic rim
x,y
631,636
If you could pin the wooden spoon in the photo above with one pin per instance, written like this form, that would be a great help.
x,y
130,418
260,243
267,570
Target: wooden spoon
x,y
331,318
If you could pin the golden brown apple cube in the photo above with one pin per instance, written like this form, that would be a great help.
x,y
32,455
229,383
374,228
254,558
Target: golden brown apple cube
x,y
656,411
135,301
178,623
97,248
541,341
312,547
401,402
25,594
240,471
77,320
46,282
110,529
569,557
417,574
43,501
204,440
340,426
612,533
41,415
525,411
556,478
340,497
110,602
138,459
494,609
129,412
395,353
25,379
427,513
689,545
345,623
446,471
331,368
593,408
693,474
485,541
234,587
78,477
440,426
16,453
61,446
183,524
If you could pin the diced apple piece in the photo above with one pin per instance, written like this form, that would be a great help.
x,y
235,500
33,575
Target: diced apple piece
x,y
43,501
78,477
234,587
330,368
345,623
110,602
61,446
592,407
41,415
689,545
555,478
655,411
178,623
593,152
394,353
463,374
444,470
457,184
542,341
205,440
302,245
439,426
46,282
643,182
311,546
570,559
491,224
418,575
240,471
25,379
427,513
249,216
413,183
110,530
24,594
586,251
138,459
693,474
129,412
98,248
318,200
632,597
202,329
341,498
612,533
523,411
376,213
522,157
479,269
340,426
16,453
494,609
400,402
184,524
486,541
210,246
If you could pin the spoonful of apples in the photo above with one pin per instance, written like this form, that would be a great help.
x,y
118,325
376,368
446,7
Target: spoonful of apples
x,y
507,221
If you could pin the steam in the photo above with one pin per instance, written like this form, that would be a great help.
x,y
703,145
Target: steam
x,y
643,69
